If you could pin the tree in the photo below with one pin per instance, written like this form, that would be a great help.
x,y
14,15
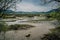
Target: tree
x,y
6,4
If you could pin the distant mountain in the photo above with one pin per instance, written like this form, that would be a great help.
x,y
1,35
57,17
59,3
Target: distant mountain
x,y
21,12
54,10
8,11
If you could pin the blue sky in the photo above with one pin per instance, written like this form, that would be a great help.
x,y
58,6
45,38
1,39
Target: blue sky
x,y
35,5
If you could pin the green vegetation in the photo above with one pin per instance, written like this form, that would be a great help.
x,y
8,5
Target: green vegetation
x,y
3,28
20,27
54,35
6,16
55,15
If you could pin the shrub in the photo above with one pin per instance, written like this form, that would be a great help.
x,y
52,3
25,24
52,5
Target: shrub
x,y
19,26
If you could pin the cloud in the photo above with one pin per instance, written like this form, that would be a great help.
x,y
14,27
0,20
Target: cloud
x,y
30,7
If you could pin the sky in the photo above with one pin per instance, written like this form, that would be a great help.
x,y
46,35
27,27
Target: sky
x,y
35,6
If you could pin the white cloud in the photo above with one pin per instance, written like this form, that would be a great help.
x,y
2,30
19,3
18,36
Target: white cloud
x,y
29,7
